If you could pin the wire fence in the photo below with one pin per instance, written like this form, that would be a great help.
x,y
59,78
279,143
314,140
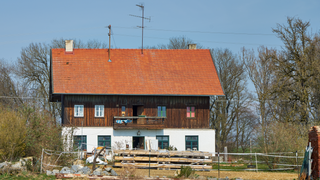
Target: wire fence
x,y
284,161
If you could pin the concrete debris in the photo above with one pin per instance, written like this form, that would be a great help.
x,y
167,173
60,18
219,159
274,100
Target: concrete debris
x,y
98,160
50,173
17,165
113,173
83,170
76,168
55,171
3,164
65,170
8,167
97,172
105,173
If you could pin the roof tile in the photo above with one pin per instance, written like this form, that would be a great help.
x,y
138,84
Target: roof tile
x,y
156,72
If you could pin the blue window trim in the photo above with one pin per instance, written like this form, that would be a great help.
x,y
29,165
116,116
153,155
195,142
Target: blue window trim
x,y
82,142
192,141
104,142
163,141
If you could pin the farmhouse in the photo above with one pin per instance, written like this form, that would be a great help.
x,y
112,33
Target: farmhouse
x,y
127,96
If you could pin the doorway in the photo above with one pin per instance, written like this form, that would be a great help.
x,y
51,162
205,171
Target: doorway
x,y
138,142
137,111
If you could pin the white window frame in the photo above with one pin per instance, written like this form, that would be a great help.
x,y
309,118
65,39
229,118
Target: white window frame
x,y
77,110
101,110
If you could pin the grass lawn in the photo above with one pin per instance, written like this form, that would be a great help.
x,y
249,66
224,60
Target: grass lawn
x,y
26,176
243,166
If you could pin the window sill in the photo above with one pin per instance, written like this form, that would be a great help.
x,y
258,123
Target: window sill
x,y
99,117
191,118
78,116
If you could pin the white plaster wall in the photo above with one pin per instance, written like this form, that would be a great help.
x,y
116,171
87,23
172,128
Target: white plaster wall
x,y
206,137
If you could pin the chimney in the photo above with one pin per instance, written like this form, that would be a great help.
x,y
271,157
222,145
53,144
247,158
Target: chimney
x,y
192,46
69,46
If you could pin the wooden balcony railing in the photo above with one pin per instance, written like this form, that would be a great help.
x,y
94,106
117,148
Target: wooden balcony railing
x,y
138,122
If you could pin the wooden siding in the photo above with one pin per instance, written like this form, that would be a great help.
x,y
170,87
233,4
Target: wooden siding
x,y
176,109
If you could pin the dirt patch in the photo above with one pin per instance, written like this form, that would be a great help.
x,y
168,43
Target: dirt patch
x,y
223,174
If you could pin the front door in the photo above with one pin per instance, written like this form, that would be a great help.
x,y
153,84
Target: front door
x,y
138,142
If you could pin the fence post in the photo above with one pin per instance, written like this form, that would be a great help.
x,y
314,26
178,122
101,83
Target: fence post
x,y
256,162
218,164
41,161
297,163
149,161
226,155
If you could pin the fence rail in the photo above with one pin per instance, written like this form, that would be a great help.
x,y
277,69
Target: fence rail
x,y
214,161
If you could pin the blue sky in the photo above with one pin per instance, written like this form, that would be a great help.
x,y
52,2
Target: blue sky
x,y
213,24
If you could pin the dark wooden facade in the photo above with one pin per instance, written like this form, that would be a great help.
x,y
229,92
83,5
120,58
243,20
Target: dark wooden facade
x,y
176,109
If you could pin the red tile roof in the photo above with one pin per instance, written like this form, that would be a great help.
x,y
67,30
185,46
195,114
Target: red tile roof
x,y
155,72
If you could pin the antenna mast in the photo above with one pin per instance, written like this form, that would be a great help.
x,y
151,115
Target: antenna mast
x,y
109,34
142,18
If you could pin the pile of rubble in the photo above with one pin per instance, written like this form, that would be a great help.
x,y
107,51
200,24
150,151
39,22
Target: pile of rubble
x,y
13,168
78,169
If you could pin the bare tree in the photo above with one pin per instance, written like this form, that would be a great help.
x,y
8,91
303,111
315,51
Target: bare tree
x,y
33,68
247,129
179,43
315,93
227,111
296,71
261,73
9,90
175,43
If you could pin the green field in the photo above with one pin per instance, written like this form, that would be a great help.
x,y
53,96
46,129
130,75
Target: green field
x,y
26,176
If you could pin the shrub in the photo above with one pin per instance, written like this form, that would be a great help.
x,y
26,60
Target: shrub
x,y
172,148
12,135
186,172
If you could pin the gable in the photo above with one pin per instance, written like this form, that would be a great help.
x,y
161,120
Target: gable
x,y
155,72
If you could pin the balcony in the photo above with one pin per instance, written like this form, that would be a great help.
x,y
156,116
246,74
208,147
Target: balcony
x,y
138,122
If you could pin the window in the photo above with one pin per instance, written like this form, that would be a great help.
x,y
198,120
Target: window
x,y
163,142
123,110
162,111
191,143
104,141
191,111
99,111
78,110
80,142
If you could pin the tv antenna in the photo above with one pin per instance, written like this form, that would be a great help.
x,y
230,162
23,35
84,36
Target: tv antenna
x,y
142,18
